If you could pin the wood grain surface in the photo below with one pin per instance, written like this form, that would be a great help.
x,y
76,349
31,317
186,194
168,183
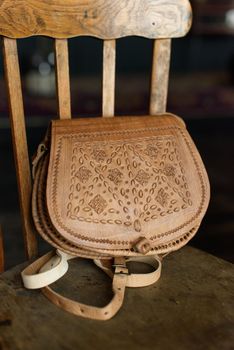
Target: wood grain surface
x,y
105,19
190,307
63,79
1,252
19,138
108,85
160,76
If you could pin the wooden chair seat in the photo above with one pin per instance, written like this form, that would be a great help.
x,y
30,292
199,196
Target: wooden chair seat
x,y
189,308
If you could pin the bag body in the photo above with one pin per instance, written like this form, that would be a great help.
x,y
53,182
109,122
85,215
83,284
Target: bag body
x,y
123,187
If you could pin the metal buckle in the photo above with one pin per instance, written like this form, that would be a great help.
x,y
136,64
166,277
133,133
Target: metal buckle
x,y
123,266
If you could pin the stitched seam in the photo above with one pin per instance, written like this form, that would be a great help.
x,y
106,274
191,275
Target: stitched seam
x,y
108,241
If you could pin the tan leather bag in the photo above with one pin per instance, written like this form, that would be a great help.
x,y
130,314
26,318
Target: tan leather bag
x,y
114,190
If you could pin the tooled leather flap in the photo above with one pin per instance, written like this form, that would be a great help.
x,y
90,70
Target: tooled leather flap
x,y
112,181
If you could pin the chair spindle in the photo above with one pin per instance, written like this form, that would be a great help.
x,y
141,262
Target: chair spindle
x,y
63,78
108,97
17,119
160,75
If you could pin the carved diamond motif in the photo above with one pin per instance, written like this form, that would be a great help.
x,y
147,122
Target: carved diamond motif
x,y
142,177
162,197
83,174
99,155
169,170
115,175
152,150
98,203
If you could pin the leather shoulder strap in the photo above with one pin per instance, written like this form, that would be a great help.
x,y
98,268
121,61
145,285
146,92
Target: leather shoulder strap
x,y
51,267
54,267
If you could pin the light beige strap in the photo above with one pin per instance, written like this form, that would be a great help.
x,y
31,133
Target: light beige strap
x,y
121,279
93,312
51,266
136,279
145,279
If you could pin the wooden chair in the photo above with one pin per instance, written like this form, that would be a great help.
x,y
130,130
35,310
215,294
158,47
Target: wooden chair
x,y
189,303
105,19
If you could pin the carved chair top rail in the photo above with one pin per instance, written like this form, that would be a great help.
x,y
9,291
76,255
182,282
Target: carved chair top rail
x,y
104,19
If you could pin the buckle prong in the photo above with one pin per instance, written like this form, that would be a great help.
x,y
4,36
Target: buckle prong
x,y
123,266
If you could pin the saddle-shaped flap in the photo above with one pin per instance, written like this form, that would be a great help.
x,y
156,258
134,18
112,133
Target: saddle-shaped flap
x,y
125,183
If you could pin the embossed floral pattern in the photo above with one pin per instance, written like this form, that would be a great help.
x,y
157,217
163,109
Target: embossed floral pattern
x,y
152,150
128,184
169,170
99,155
162,197
83,174
115,175
98,203
142,177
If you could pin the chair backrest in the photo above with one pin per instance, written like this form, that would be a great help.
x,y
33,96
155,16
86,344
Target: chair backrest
x,y
108,20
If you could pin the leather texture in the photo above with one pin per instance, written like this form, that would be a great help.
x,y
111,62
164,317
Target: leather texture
x,y
122,188
51,267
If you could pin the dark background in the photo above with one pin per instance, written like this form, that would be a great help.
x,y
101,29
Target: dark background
x,y
201,91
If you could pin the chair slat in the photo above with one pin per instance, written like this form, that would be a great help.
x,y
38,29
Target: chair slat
x,y
108,93
160,75
63,79
1,252
12,73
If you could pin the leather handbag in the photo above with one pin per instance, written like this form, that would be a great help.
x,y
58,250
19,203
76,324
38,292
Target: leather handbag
x,y
114,190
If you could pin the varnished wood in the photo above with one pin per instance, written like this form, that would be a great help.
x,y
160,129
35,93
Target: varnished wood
x,y
105,19
108,93
192,300
160,76
1,252
63,79
19,142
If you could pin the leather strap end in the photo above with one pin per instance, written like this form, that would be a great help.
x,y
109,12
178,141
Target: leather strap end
x,y
56,267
